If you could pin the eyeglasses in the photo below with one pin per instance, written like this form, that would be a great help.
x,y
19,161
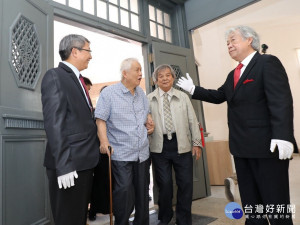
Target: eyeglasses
x,y
88,50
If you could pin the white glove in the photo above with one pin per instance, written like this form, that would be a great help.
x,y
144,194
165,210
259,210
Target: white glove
x,y
186,84
285,148
67,180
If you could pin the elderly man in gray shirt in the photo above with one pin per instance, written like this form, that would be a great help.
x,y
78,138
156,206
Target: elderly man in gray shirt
x,y
122,112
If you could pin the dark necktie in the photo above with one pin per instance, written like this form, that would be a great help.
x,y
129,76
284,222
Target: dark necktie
x,y
237,74
86,91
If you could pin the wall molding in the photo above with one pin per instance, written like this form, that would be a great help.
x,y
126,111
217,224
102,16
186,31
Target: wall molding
x,y
22,122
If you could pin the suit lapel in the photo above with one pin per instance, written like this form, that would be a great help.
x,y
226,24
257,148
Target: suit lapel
x,y
74,78
157,99
230,85
244,75
247,71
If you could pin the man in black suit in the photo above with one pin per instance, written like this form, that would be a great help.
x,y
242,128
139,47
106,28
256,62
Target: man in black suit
x,y
73,147
260,120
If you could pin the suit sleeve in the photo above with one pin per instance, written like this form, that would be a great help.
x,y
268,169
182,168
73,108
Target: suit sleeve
x,y
55,114
208,95
193,123
279,99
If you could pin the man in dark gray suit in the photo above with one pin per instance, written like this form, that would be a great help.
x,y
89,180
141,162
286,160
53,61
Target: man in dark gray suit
x,y
260,120
73,148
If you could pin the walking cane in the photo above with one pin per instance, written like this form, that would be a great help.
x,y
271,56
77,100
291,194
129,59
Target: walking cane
x,y
202,135
110,188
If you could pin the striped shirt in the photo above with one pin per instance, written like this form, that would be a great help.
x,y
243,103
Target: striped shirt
x,y
125,115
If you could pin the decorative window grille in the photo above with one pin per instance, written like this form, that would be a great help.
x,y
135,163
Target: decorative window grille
x,y
25,51
178,74
177,71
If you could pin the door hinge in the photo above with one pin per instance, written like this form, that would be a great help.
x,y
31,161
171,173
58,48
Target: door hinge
x,y
150,57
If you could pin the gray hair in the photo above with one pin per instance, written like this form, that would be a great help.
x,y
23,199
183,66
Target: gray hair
x,y
246,32
160,68
126,64
69,42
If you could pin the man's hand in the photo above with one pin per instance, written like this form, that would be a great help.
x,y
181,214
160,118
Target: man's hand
x,y
150,124
104,149
186,84
285,148
67,180
102,135
197,151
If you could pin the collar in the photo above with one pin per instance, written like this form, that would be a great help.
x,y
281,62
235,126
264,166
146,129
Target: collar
x,y
156,93
161,92
246,61
72,67
125,89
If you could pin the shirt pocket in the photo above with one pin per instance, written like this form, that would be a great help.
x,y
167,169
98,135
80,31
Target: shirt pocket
x,y
139,110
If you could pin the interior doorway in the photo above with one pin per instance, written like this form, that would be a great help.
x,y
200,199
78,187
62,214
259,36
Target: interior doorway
x,y
108,51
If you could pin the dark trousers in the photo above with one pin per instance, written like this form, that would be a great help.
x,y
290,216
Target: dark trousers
x,y
183,167
264,182
100,191
69,206
131,184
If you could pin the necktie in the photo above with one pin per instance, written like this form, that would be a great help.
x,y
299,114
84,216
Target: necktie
x,y
237,73
167,116
86,91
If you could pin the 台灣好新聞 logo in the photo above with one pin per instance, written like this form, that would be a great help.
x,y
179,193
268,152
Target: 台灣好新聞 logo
x,y
233,211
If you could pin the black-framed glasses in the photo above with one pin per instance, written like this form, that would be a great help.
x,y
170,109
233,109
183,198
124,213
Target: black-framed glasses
x,y
83,49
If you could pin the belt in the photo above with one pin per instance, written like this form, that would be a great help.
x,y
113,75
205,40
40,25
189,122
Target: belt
x,y
166,136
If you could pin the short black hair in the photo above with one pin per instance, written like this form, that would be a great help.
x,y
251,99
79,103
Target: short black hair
x,y
103,88
87,81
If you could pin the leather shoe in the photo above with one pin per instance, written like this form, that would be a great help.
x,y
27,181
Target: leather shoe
x,y
229,189
92,216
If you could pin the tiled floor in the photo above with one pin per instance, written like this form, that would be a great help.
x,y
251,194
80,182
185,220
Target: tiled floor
x,y
214,205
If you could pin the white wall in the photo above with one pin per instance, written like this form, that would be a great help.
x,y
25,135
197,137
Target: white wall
x,y
278,24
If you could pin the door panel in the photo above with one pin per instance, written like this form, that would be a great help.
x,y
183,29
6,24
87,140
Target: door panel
x,y
173,55
26,53
182,60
